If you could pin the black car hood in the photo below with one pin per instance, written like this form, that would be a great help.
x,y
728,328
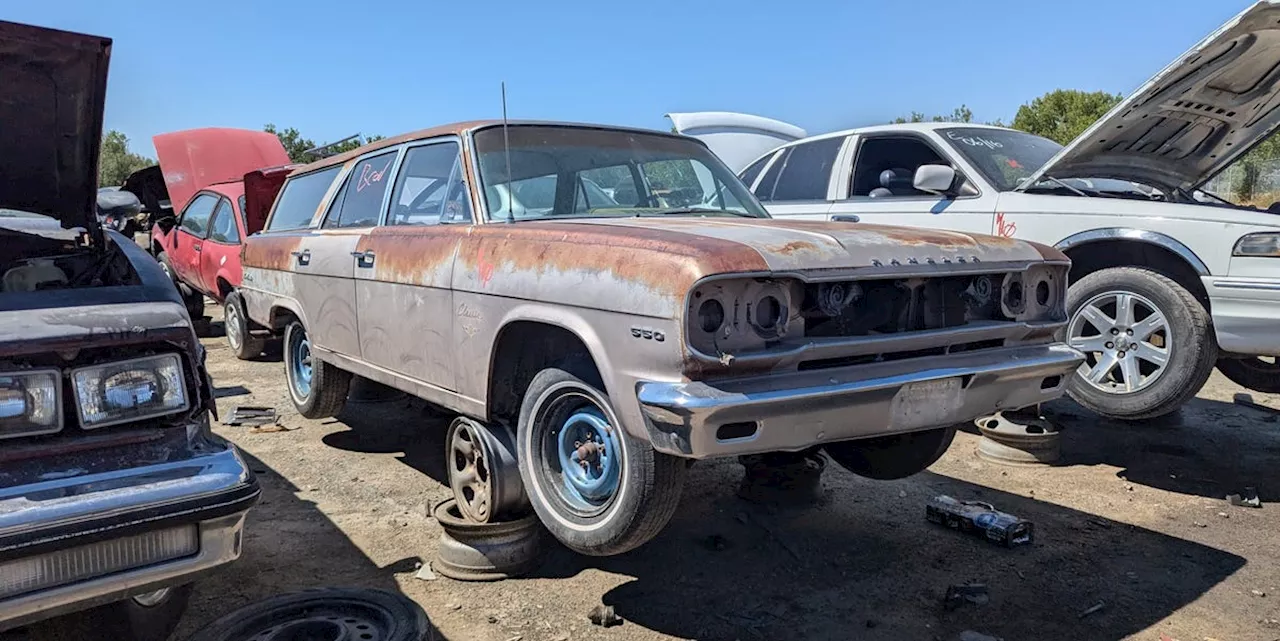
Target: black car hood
x,y
51,101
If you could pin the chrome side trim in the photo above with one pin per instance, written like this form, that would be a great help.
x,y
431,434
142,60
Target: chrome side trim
x,y
1232,283
1140,235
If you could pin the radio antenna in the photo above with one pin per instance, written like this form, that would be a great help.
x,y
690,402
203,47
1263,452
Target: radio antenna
x,y
506,146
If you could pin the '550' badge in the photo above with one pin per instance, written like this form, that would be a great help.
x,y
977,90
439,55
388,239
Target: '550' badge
x,y
648,334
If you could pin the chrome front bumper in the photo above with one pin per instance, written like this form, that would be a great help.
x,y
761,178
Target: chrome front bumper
x,y
1244,314
60,518
797,410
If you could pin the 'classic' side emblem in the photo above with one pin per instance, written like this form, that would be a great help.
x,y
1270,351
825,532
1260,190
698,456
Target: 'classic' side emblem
x,y
648,334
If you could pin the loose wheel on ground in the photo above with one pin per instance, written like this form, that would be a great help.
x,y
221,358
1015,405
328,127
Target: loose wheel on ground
x,y
1147,341
243,344
886,458
595,488
318,389
1258,373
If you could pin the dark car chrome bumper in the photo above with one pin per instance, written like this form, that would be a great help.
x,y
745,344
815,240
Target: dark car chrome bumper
x,y
797,410
119,533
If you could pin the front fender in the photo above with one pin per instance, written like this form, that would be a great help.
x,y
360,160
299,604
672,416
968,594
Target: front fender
x,y
1138,235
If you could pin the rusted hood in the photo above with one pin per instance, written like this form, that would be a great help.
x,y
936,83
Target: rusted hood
x,y
196,158
797,245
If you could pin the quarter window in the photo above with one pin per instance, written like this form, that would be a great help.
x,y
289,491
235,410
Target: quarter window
x,y
222,228
807,171
195,220
361,202
430,188
299,199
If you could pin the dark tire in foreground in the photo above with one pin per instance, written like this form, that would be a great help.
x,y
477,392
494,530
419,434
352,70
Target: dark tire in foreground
x,y
1258,373
243,344
1148,343
329,613
886,458
597,489
318,389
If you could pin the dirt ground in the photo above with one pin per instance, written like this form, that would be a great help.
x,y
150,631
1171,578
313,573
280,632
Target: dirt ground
x,y
1133,518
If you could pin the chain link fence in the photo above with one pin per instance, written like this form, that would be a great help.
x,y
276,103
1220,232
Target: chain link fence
x,y
1254,182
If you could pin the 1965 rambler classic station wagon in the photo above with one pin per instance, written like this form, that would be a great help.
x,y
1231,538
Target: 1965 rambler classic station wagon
x,y
603,303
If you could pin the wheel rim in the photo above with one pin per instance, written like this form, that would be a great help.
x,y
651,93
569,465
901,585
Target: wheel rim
x,y
583,454
165,268
300,363
1126,339
233,325
152,599
470,477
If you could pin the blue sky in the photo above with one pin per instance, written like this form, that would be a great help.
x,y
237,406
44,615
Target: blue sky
x,y
331,69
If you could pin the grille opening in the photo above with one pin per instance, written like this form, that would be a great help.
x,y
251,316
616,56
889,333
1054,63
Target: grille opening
x,y
1050,382
891,306
733,431
846,361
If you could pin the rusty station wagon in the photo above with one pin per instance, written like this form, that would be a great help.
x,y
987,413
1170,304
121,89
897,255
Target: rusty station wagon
x,y
601,304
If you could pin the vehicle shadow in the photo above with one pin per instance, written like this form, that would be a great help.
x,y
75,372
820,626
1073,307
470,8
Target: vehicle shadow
x,y
407,426
1208,448
869,566
284,534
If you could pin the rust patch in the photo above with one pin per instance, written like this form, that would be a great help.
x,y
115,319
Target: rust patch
x,y
663,261
792,247
1048,253
414,255
270,252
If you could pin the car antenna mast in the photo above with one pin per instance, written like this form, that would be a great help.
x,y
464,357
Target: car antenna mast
x,y
506,147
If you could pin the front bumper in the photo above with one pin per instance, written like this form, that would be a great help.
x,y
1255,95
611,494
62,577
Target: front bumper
x,y
81,521
1244,314
798,410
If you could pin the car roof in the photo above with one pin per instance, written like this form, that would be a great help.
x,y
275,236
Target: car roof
x,y
459,128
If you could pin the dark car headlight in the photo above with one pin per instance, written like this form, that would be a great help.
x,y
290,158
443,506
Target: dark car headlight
x,y
29,403
129,390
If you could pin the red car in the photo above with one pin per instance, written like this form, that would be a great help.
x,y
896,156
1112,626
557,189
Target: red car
x,y
222,183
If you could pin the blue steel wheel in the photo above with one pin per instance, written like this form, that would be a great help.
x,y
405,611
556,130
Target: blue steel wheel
x,y
318,389
300,366
590,464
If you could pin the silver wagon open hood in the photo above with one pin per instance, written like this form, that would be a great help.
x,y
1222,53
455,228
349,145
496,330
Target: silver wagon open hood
x,y
1195,117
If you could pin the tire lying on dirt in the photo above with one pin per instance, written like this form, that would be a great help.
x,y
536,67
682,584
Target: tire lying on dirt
x,y
598,490
318,389
1148,343
243,344
886,458
1258,373
329,613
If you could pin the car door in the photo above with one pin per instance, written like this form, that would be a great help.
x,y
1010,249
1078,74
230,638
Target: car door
x,y
220,247
330,255
879,187
404,267
187,239
798,183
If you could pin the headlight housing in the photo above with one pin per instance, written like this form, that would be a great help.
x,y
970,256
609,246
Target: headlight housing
x,y
1262,244
29,403
129,390
743,314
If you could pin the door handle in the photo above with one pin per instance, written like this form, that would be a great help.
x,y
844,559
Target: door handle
x,y
364,258
846,218
196,246
304,256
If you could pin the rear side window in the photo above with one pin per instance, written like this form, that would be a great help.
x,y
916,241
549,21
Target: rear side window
x,y
765,190
361,202
195,220
299,199
749,176
808,170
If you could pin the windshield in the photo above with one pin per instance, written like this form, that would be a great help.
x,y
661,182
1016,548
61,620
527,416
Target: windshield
x,y
579,172
1004,157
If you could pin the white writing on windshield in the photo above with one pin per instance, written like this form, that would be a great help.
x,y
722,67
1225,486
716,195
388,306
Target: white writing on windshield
x,y
974,141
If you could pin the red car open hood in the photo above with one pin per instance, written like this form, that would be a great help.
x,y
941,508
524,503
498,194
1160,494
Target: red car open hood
x,y
196,158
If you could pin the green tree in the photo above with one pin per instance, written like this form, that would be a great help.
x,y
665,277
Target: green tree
x,y
116,162
297,146
1063,114
959,114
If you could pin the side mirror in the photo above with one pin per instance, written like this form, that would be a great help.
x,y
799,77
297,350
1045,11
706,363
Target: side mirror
x,y
937,179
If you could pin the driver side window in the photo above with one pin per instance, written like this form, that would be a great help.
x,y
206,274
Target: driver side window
x,y
430,188
195,220
885,166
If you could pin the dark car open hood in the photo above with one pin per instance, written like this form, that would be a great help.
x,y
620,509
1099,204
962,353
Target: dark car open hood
x,y
51,101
